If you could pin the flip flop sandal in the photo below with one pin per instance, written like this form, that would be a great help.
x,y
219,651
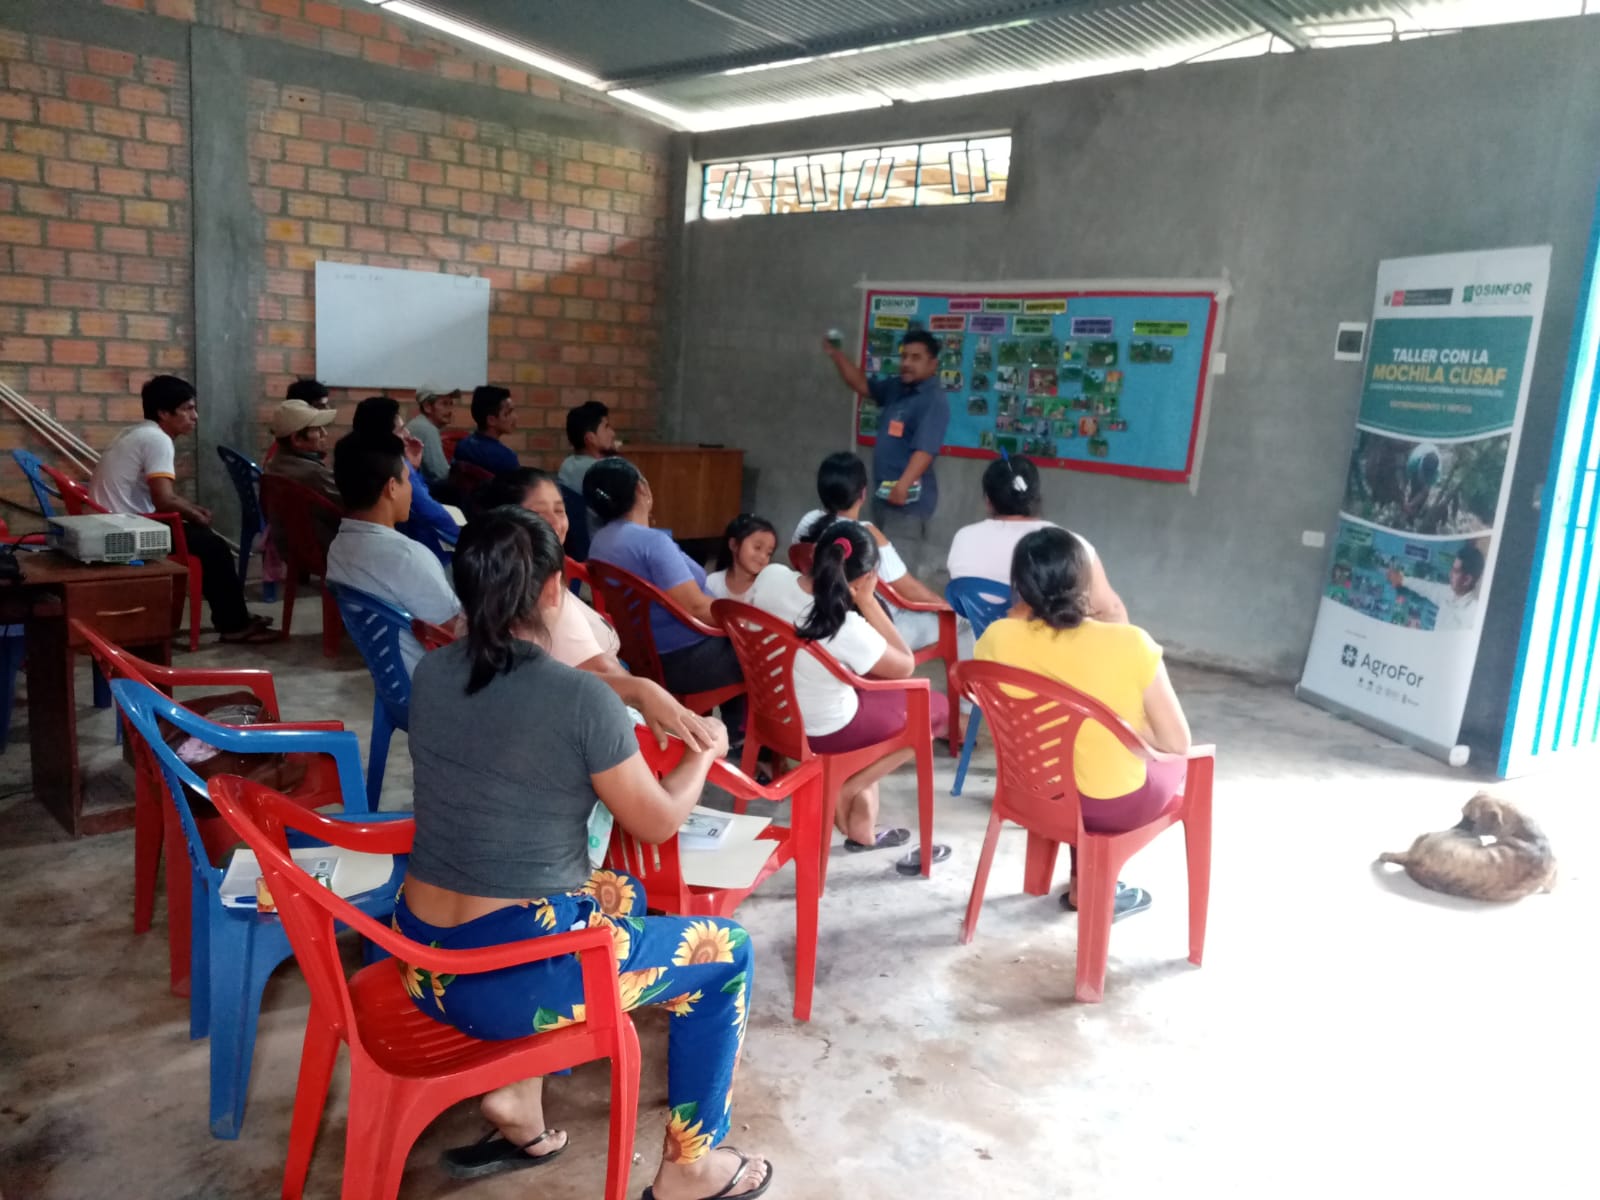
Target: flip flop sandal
x,y
1129,900
911,864
886,840
492,1155
251,635
727,1190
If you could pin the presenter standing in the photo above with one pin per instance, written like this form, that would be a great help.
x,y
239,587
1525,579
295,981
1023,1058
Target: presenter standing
x,y
912,420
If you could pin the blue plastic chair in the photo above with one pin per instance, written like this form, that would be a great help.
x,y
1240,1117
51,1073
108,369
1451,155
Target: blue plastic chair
x,y
376,626
246,477
577,546
981,602
11,654
42,491
234,951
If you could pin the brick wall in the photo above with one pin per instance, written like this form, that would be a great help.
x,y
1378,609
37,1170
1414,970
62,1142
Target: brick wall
x,y
96,277
569,233
95,291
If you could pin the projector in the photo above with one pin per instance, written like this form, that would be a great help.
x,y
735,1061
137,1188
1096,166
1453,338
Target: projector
x,y
109,537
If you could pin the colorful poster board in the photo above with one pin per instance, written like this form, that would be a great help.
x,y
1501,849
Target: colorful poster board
x,y
1104,381
1445,389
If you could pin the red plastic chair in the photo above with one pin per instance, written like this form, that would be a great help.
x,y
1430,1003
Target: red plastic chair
x,y
449,439
575,571
76,500
1035,722
157,832
659,867
766,646
430,635
405,1067
625,601
468,477
943,648
292,508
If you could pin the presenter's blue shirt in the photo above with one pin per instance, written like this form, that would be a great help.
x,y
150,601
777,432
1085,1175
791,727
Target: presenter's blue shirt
x,y
910,418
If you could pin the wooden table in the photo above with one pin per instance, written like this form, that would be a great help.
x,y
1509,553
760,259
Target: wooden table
x,y
697,489
132,606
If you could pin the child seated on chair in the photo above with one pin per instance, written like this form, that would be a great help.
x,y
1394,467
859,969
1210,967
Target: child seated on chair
x,y
747,548
842,489
835,607
1051,632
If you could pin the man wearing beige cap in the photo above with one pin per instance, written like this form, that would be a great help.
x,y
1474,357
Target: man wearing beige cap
x,y
438,407
302,436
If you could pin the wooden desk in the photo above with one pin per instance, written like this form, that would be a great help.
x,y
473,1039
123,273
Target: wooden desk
x,y
697,489
132,606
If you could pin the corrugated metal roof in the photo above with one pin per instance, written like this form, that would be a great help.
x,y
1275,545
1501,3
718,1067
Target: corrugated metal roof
x,y
727,62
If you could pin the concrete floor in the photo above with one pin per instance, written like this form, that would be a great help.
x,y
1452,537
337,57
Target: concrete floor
x,y
1349,1032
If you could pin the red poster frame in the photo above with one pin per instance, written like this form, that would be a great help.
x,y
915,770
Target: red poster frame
x,y
1162,475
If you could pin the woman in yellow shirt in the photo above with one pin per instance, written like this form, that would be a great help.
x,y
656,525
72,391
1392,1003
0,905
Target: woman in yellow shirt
x,y
1050,632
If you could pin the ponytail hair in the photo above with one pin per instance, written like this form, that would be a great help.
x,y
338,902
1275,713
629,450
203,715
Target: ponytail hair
x,y
1050,573
502,562
841,481
845,552
1011,486
743,526
610,487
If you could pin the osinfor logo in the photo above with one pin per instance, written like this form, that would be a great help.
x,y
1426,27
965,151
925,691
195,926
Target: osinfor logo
x,y
1348,658
1501,293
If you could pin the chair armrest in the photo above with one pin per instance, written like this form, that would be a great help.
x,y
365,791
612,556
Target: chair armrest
x,y
731,779
246,679
893,596
327,726
682,615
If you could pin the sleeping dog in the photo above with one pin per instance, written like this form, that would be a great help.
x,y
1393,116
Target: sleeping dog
x,y
1458,861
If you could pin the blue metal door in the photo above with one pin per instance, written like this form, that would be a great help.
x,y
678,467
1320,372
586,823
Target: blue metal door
x,y
1555,694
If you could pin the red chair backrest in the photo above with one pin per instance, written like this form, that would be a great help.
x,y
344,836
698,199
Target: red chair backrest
x,y
1035,722
292,507
261,817
625,600
430,635
74,495
801,555
767,646
450,439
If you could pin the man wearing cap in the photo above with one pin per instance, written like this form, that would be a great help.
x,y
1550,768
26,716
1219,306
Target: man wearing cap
x,y
438,407
301,434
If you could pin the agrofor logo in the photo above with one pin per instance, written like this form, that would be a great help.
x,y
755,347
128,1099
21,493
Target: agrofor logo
x,y
1378,668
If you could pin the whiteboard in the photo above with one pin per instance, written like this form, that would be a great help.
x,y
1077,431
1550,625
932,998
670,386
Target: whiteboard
x,y
382,328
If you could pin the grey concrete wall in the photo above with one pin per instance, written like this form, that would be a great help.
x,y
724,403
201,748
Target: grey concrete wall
x,y
1291,175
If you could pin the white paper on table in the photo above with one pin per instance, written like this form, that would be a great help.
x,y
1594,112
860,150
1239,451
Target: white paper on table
x,y
456,515
729,867
352,871
741,828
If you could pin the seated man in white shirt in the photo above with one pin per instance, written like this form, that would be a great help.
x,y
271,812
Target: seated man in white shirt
x,y
137,474
370,555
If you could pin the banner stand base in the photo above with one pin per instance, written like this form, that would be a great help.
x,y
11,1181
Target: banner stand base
x,y
1451,755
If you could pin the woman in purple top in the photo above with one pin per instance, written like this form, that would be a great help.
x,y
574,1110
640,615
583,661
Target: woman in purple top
x,y
614,491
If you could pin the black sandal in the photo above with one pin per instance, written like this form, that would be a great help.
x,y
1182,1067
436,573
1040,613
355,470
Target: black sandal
x,y
727,1188
492,1154
911,864
887,839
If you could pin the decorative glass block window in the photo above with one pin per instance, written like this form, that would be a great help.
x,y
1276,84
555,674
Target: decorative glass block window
x,y
970,170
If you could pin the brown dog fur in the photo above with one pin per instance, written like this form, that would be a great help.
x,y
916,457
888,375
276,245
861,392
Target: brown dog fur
x,y
1456,861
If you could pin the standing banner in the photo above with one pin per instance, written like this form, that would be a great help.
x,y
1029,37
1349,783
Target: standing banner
x,y
1446,382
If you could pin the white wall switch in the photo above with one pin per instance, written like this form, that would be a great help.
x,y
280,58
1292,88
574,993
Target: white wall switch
x,y
1314,538
1219,362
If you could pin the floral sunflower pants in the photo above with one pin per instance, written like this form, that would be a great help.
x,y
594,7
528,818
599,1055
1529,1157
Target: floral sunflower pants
x,y
697,968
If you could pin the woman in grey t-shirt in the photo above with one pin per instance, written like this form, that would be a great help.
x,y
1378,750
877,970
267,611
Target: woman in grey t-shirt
x,y
511,752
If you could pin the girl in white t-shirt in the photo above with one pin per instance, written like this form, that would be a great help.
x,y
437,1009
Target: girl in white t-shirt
x,y
983,550
842,488
835,607
748,545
